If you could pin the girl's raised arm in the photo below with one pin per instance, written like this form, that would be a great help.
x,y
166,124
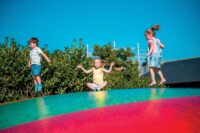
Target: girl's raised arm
x,y
83,69
110,69
119,69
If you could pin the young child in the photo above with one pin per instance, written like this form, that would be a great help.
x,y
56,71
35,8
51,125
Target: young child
x,y
98,71
34,62
154,55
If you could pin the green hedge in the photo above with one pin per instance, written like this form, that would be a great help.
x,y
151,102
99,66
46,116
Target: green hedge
x,y
62,76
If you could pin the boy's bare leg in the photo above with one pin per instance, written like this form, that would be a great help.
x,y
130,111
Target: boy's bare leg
x,y
90,86
34,79
35,84
38,79
39,85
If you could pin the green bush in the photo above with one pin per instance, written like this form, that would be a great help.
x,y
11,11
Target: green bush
x,y
62,76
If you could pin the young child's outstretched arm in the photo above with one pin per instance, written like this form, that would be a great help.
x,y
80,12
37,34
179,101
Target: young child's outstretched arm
x,y
83,69
151,46
110,69
119,68
29,63
46,57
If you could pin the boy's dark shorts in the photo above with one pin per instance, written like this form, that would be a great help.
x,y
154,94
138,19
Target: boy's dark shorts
x,y
35,70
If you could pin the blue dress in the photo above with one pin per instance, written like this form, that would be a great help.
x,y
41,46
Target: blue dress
x,y
155,59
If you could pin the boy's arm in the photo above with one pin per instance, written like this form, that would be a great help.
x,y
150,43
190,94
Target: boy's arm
x,y
110,69
83,69
151,48
29,63
45,56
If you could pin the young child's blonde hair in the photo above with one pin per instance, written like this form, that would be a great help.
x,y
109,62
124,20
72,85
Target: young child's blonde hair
x,y
102,61
151,31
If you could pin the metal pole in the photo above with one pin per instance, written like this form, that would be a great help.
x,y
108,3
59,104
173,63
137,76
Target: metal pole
x,y
133,50
138,52
87,47
114,43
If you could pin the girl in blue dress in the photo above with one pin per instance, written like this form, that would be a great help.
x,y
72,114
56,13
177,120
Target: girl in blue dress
x,y
154,55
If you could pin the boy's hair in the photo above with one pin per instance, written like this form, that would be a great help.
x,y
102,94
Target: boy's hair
x,y
33,40
151,31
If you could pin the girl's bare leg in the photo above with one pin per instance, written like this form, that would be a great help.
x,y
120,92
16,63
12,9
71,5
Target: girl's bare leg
x,y
152,73
90,86
103,85
162,79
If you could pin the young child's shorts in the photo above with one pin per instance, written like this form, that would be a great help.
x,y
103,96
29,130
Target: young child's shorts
x,y
96,86
35,70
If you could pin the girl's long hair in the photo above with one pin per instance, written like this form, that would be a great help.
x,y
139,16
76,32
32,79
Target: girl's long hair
x,y
152,30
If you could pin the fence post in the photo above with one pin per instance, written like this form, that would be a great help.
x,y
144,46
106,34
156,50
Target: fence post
x,y
87,47
114,43
138,52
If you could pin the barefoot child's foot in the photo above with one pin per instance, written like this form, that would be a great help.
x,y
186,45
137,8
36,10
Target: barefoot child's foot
x,y
162,82
152,84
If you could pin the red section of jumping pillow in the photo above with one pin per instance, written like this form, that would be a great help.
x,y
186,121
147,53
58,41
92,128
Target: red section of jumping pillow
x,y
177,115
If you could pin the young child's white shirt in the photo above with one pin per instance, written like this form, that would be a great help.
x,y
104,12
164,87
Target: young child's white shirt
x,y
155,50
35,56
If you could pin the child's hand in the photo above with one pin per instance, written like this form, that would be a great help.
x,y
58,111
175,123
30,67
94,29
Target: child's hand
x,y
48,60
79,66
112,63
122,68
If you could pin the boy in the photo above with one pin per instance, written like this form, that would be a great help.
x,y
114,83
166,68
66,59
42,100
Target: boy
x,y
34,62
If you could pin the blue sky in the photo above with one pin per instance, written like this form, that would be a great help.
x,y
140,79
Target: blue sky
x,y
57,23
